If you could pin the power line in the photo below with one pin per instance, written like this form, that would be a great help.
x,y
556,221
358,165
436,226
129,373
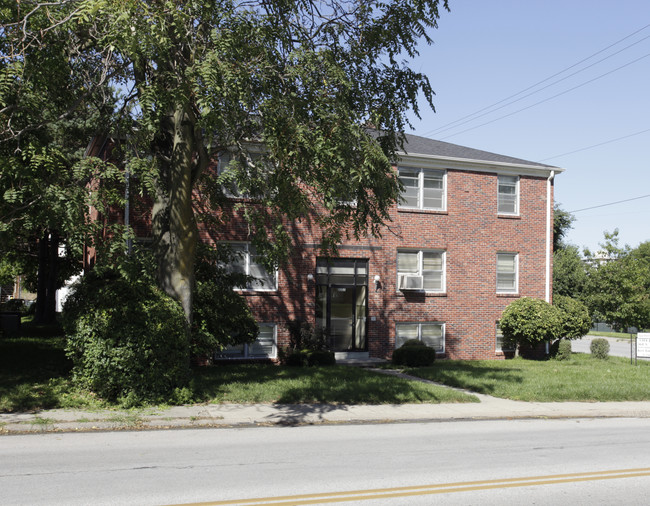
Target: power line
x,y
610,203
547,99
595,145
460,121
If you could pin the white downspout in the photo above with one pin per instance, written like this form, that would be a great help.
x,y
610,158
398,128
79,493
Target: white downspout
x,y
549,232
549,243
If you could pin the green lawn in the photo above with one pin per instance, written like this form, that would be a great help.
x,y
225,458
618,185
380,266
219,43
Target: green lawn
x,y
294,385
617,335
582,378
35,374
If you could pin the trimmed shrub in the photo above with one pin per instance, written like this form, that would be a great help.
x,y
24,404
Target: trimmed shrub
x,y
311,358
530,321
599,348
563,350
127,340
576,321
303,336
414,353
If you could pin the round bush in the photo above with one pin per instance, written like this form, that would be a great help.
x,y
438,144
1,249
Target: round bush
x,y
576,321
127,340
530,321
563,350
599,348
414,353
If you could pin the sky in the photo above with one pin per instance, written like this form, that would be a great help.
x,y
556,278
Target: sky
x,y
540,62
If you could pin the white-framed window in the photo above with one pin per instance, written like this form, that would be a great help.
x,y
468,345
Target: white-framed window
x,y
253,165
423,188
508,195
430,333
265,346
507,272
246,261
421,270
501,343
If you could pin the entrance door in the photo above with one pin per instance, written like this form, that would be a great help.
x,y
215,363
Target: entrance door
x,y
342,302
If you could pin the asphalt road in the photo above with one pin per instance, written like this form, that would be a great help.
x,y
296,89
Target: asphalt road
x,y
579,461
617,347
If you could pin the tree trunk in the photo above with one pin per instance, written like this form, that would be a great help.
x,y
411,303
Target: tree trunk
x,y
52,278
174,227
48,257
41,280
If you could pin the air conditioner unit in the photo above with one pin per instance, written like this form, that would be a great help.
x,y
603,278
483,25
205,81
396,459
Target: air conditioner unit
x,y
410,282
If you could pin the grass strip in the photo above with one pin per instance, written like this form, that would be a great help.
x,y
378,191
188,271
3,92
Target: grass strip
x,y
582,378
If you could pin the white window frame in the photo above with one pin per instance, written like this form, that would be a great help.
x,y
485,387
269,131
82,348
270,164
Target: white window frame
x,y
419,325
420,270
246,348
515,289
231,190
254,286
507,180
500,342
421,172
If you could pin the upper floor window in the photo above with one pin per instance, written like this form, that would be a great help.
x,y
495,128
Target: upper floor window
x,y
246,261
423,188
507,272
252,169
421,270
430,333
508,195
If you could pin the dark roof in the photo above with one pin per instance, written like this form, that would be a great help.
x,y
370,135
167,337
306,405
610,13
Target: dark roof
x,y
416,145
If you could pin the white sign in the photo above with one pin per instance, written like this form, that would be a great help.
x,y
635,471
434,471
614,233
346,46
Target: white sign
x,y
643,345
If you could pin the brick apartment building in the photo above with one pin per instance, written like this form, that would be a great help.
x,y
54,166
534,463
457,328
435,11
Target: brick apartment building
x,y
474,232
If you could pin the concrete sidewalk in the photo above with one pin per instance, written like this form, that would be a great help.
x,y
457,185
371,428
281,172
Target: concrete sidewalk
x,y
247,415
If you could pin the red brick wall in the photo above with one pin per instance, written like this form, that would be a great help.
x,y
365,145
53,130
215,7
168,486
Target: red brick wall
x,y
469,231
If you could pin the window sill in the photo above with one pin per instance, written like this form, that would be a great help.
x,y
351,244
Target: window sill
x,y
420,293
508,295
421,211
249,292
509,216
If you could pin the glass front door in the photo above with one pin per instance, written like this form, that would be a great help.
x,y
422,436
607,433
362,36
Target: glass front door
x,y
342,302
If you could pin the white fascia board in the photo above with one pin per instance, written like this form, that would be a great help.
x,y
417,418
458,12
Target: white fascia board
x,y
446,162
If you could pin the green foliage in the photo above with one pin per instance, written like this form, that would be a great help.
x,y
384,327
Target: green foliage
x,y
414,353
530,321
309,357
303,79
562,223
563,351
307,346
303,336
127,339
570,273
599,348
221,316
576,321
619,287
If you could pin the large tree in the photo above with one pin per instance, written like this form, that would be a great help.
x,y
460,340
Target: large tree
x,y
619,285
307,80
51,104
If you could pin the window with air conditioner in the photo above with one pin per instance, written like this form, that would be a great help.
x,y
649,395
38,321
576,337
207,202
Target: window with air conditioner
x,y
421,270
